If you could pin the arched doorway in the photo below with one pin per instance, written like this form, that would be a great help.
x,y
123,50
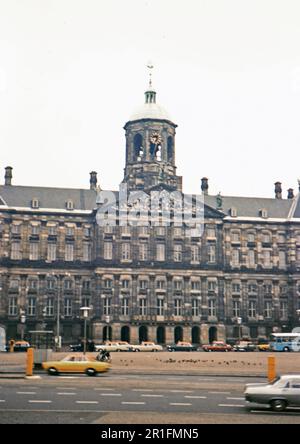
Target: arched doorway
x,y
160,335
143,333
2,339
212,334
125,333
107,333
196,335
178,334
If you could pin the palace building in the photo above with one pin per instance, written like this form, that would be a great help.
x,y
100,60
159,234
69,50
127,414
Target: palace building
x,y
239,278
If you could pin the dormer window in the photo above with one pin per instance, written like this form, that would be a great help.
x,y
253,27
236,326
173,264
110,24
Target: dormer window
x,y
233,212
263,213
70,205
35,203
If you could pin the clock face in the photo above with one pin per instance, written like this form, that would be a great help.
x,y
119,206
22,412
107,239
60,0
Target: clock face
x,y
155,138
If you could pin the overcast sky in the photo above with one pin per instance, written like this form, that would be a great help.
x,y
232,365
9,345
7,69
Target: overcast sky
x,y
228,72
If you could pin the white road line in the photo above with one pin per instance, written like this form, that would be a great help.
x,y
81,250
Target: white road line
x,y
206,379
195,397
2,400
231,405
87,402
39,401
111,394
236,399
142,390
180,403
133,403
66,393
26,393
103,389
153,396
182,391
220,393
68,388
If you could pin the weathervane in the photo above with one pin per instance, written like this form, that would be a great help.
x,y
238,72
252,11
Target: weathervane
x,y
150,67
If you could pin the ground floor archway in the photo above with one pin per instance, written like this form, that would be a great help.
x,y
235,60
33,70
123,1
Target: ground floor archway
x,y
161,335
125,333
196,335
107,333
178,334
212,334
143,333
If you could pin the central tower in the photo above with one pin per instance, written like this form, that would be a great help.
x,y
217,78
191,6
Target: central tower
x,y
150,147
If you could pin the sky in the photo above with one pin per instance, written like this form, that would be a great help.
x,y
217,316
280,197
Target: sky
x,y
228,72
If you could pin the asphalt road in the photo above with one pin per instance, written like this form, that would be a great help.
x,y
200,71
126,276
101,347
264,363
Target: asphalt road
x,y
113,398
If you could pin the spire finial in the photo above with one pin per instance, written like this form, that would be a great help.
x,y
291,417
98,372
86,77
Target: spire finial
x,y
150,67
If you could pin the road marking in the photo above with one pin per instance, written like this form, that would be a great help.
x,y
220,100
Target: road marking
x,y
67,388
102,389
231,405
182,391
195,397
206,379
39,401
142,390
2,400
134,403
110,394
180,403
87,402
152,396
68,377
26,393
220,393
237,399
66,393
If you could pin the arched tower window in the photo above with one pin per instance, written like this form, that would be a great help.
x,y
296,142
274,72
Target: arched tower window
x,y
170,149
138,147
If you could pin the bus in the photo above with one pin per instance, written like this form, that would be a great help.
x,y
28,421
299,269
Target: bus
x,y
285,342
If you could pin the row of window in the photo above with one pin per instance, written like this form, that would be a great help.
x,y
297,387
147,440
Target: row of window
x,y
34,251
266,258
161,307
35,230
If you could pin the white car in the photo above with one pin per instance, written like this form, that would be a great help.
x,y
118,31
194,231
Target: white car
x,y
114,346
147,346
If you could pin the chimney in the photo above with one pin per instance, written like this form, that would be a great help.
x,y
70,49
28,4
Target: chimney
x,y
290,193
93,180
278,190
8,176
204,185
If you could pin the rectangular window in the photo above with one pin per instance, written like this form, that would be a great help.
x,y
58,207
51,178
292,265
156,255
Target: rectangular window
x,y
69,252
126,231
251,237
195,307
160,231
235,258
177,307
51,252
143,307
107,306
143,284
268,288
266,238
282,259
52,231
16,229
35,229
107,283
252,288
125,307
194,253
211,253
195,285
178,253
16,251
68,284
33,284
268,309
87,252
86,285
235,237
160,307
70,231
160,284
143,252
85,302
50,284
236,288
283,310
236,309
251,258
267,258
86,231
177,285
14,284
160,252
212,309
49,307
252,309
31,306
126,252
12,306
68,307
212,286
125,283
210,232
33,251
108,251
177,232
143,231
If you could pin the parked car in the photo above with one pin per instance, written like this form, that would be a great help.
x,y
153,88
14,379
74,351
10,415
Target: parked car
x,y
263,346
279,394
147,346
90,346
182,346
244,346
19,346
114,346
76,364
217,346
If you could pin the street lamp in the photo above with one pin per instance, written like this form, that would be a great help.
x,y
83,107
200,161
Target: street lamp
x,y
239,322
107,320
85,313
23,320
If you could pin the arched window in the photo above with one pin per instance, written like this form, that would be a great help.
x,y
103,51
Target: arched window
x,y
138,147
158,153
170,149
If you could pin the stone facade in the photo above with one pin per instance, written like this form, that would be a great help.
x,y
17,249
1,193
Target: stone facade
x,y
147,283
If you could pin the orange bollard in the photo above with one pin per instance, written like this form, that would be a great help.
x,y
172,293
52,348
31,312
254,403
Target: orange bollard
x,y
271,368
11,346
29,362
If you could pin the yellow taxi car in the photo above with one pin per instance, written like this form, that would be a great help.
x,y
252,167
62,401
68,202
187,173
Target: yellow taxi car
x,y
263,347
76,364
